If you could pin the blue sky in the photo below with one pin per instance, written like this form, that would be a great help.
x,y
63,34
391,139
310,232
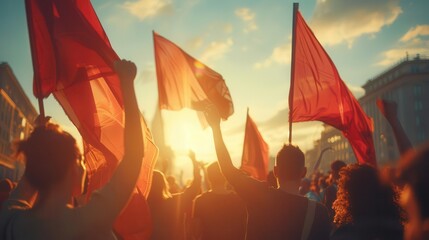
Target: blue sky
x,y
248,42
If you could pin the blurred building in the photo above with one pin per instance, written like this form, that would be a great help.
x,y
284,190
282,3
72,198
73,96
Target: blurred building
x,y
17,115
406,83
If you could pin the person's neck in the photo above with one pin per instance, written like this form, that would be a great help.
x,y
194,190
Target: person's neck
x,y
51,201
290,186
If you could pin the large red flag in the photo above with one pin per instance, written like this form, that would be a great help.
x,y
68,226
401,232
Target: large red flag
x,y
184,82
73,59
318,93
255,152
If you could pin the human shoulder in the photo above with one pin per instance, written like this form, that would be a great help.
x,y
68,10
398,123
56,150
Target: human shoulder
x,y
10,209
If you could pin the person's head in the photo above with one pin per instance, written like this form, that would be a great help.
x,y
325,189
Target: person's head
x,y
290,164
215,176
362,195
335,169
52,157
322,182
159,188
414,173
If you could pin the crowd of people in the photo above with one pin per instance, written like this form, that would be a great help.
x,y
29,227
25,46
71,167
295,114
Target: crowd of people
x,y
351,201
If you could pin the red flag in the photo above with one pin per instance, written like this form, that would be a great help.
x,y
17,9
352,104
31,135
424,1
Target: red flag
x,y
318,93
255,152
73,59
184,82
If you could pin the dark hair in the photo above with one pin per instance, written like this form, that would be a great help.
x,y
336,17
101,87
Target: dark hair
x,y
214,174
362,195
49,152
414,171
290,162
336,167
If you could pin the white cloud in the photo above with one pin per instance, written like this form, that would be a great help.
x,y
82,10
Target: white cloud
x,y
280,55
342,21
419,30
357,91
216,50
414,41
194,43
247,16
395,55
145,9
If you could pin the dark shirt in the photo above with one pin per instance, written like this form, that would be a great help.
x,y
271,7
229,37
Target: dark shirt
x,y
275,214
370,229
329,198
169,216
221,216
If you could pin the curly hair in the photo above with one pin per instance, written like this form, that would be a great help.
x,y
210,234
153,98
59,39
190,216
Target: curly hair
x,y
363,195
49,152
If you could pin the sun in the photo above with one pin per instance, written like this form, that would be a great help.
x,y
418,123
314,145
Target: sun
x,y
184,132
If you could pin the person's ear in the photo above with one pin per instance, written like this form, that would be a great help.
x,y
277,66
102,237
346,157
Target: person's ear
x,y
304,172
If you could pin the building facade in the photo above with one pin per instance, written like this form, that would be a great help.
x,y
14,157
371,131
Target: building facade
x,y
17,116
406,83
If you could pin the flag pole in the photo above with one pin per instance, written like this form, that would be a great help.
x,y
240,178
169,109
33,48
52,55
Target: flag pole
x,y
292,71
244,140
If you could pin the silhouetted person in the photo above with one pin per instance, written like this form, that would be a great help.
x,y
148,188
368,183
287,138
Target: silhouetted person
x,y
55,170
366,207
414,173
218,213
331,191
168,211
173,187
273,213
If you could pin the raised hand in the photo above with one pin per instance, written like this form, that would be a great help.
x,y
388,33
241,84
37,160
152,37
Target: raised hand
x,y
126,71
212,115
389,109
42,121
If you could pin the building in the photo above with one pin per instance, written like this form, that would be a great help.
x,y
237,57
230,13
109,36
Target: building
x,y
406,83
17,115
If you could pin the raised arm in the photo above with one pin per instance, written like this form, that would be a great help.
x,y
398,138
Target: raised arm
x,y
225,162
192,191
109,201
389,109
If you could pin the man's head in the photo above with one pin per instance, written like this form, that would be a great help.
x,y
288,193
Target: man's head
x,y
413,172
335,169
290,164
214,175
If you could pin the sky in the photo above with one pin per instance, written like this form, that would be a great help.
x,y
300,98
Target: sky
x,y
249,43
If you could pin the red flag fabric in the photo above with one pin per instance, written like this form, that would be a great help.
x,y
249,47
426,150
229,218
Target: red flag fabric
x,y
318,93
73,59
184,82
255,152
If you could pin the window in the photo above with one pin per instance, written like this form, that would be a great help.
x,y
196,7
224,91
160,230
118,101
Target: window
x,y
417,90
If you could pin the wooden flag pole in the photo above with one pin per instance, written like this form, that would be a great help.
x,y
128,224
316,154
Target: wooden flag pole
x,y
41,108
292,71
